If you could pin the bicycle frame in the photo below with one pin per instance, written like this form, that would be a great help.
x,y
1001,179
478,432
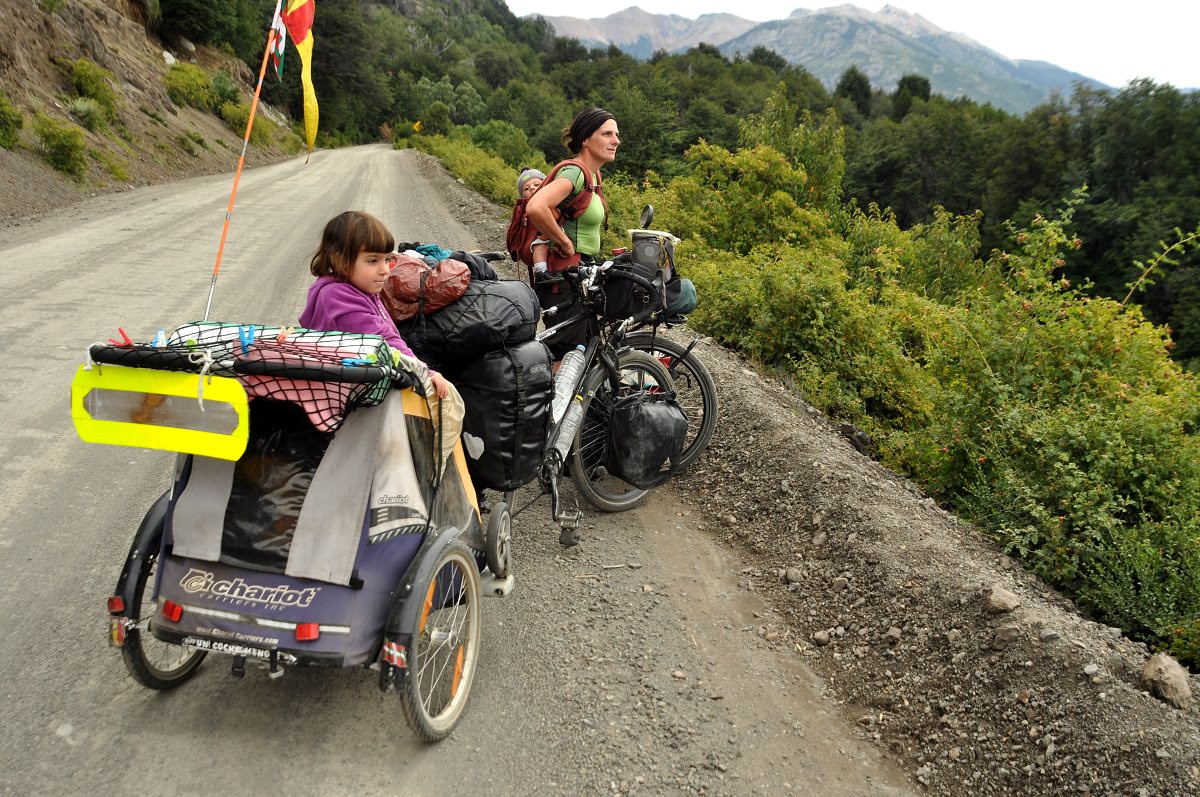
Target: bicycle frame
x,y
601,351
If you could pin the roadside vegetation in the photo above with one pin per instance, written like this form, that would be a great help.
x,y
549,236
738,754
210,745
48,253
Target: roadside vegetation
x,y
1054,419
11,122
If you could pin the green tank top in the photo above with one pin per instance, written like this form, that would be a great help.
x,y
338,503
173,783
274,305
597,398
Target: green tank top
x,y
583,231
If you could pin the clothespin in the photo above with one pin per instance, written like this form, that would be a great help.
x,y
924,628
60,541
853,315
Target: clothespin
x,y
284,332
124,341
246,335
160,340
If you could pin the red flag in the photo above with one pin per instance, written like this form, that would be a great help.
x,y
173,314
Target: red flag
x,y
299,20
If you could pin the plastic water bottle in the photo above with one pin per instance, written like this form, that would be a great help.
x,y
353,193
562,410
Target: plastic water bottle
x,y
569,426
565,382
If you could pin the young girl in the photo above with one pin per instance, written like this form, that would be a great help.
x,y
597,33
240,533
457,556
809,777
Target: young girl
x,y
351,265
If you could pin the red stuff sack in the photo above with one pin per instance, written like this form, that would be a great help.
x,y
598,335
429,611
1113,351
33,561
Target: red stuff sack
x,y
416,288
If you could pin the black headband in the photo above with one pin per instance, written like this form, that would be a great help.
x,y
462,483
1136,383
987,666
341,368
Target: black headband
x,y
586,123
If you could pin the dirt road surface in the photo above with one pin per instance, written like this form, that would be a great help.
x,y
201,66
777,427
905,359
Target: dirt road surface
x,y
637,662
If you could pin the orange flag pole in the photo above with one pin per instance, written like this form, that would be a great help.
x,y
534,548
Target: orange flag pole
x,y
262,70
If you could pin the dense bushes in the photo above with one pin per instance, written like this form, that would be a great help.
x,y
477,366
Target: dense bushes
x,y
486,173
63,145
237,115
188,84
507,142
1054,419
95,83
11,122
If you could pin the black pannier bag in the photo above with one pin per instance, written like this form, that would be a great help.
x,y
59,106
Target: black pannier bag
x,y
508,394
645,431
489,316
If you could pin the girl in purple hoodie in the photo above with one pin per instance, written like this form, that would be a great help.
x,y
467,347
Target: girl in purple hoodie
x,y
351,265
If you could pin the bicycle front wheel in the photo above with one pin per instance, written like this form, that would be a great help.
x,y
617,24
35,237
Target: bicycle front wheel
x,y
694,389
445,645
589,456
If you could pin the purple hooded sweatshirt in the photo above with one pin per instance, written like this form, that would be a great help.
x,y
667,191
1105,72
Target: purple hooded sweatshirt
x,y
334,305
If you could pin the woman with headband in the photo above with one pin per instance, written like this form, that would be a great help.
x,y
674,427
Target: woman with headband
x,y
592,139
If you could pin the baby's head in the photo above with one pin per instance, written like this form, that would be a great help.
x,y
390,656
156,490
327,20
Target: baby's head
x,y
529,181
344,237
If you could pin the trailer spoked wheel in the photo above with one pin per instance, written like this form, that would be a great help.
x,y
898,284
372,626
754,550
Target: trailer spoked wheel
x,y
445,645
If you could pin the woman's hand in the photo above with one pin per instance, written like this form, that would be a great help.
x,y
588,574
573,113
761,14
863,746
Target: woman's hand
x,y
565,249
440,384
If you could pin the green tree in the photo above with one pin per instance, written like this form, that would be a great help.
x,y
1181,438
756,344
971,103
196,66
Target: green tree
x,y
818,149
708,121
203,21
910,87
498,65
856,87
765,57
647,123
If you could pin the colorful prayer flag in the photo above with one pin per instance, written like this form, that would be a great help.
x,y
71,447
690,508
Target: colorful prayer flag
x,y
299,20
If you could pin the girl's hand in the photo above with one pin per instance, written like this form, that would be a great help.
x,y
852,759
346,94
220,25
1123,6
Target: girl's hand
x,y
440,384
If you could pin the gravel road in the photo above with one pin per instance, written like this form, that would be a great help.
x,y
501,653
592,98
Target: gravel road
x,y
640,661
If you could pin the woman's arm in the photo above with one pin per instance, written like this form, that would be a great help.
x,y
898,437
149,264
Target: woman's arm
x,y
540,211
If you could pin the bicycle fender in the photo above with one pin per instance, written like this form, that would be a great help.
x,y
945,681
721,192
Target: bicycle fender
x,y
145,543
404,615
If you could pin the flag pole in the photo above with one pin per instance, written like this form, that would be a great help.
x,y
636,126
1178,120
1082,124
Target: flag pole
x,y
262,70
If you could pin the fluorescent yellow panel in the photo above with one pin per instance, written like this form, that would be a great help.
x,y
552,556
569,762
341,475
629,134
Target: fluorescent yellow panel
x,y
146,408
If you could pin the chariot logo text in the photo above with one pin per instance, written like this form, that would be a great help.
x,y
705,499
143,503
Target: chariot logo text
x,y
237,591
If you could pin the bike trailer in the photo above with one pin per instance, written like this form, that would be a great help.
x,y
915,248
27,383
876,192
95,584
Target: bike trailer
x,y
295,552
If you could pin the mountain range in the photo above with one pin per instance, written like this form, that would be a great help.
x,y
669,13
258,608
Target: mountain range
x,y
884,45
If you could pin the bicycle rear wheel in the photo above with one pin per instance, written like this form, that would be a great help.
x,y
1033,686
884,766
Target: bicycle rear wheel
x,y
694,389
589,456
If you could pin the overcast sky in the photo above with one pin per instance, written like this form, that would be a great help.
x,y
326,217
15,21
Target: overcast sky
x,y
1110,42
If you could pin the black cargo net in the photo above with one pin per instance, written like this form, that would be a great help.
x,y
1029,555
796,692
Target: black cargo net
x,y
324,373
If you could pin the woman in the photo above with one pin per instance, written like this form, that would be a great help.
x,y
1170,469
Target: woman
x,y
591,138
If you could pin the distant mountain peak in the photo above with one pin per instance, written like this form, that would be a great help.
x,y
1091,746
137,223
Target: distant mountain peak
x,y
884,45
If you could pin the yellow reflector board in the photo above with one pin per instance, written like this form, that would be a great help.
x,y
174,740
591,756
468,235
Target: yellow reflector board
x,y
145,408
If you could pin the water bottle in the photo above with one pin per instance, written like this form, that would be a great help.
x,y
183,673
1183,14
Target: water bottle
x,y
565,382
569,426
